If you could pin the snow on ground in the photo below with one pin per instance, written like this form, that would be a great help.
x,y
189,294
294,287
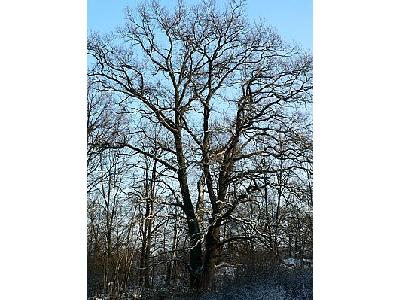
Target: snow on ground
x,y
275,284
254,291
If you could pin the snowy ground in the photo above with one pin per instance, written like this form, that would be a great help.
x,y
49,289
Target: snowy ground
x,y
280,284
257,291
277,284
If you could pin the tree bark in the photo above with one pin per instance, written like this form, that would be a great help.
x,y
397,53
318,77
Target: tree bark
x,y
195,252
211,257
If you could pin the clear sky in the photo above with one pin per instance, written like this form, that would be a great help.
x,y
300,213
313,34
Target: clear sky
x,y
292,18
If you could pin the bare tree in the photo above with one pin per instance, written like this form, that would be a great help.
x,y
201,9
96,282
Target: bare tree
x,y
223,91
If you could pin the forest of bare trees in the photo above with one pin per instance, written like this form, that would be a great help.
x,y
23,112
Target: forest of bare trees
x,y
199,160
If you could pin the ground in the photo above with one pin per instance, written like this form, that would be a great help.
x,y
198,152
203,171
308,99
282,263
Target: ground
x,y
280,283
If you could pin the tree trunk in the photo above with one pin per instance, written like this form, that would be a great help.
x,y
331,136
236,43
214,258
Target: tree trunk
x,y
149,190
200,201
195,252
212,257
170,269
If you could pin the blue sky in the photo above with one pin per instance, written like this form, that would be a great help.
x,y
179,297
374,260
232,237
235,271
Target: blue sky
x,y
292,18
